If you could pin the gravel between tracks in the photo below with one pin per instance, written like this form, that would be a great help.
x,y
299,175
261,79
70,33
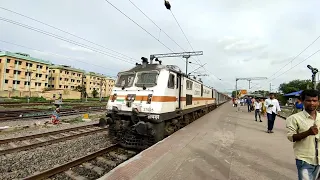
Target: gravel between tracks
x,y
25,163
40,129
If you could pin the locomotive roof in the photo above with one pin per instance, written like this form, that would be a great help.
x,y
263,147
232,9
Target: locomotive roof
x,y
150,67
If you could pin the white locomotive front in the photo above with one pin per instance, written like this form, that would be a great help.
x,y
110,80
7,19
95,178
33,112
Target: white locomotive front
x,y
151,101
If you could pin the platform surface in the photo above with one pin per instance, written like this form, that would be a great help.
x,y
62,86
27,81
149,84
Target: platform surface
x,y
224,144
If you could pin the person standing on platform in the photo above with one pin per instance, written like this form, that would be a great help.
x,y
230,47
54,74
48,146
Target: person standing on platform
x,y
302,130
264,109
257,109
249,102
273,108
298,106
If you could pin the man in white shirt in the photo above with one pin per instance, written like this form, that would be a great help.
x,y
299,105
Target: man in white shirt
x,y
273,108
257,107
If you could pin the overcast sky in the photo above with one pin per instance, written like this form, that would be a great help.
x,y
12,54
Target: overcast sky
x,y
239,38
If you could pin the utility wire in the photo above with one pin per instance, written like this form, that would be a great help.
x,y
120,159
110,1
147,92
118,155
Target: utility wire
x,y
191,44
65,32
296,64
296,56
64,39
183,33
139,25
59,55
156,25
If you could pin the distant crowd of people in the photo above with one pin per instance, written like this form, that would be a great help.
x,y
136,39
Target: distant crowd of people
x,y
302,128
265,107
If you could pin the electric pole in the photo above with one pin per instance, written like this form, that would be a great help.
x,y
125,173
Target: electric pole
x,y
314,72
83,88
270,88
248,79
186,55
100,90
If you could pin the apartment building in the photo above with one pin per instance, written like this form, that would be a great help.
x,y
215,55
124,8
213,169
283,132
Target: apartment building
x,y
95,81
64,77
21,72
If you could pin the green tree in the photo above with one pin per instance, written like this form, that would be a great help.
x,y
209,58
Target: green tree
x,y
295,85
94,93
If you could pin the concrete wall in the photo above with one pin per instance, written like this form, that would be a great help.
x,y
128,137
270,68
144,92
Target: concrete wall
x,y
66,94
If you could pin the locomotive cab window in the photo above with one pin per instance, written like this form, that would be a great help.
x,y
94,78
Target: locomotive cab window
x,y
125,80
147,79
171,81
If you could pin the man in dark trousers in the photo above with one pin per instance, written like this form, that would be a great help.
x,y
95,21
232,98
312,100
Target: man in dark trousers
x,y
273,108
302,130
249,104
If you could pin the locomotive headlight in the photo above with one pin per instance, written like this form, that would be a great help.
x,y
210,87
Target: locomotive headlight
x,y
149,99
130,97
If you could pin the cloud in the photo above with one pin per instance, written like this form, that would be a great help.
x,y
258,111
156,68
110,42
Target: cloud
x,y
75,48
239,38
238,45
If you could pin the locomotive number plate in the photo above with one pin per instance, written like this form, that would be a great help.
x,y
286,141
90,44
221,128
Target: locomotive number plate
x,y
154,117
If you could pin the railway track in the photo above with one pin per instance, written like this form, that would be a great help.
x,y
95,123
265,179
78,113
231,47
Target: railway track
x,y
39,114
37,140
18,104
91,166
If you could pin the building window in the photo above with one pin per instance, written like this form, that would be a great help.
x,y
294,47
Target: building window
x,y
60,79
18,82
45,84
46,76
6,81
39,84
53,71
47,68
7,70
61,71
35,83
60,86
8,60
52,86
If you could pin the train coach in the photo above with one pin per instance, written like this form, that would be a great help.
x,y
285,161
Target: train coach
x,y
151,101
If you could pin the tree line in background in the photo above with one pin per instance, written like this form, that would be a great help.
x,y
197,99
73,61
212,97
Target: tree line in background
x,y
285,88
296,85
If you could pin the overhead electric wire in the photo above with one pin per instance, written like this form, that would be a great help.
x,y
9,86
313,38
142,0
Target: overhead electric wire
x,y
295,56
139,25
198,61
296,64
293,59
157,25
65,32
55,54
64,39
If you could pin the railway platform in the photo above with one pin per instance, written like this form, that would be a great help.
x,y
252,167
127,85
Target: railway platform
x,y
224,144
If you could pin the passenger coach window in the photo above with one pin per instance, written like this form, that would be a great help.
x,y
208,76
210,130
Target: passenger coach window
x,y
171,81
189,84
